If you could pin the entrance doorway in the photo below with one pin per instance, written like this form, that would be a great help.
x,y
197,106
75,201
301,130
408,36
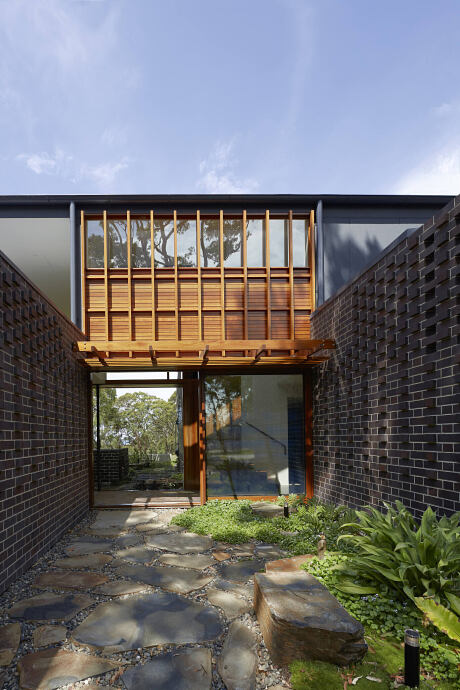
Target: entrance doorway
x,y
139,458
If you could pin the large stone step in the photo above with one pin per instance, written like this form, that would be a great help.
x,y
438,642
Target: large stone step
x,y
301,619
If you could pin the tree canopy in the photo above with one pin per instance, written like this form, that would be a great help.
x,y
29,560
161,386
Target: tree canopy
x,y
144,423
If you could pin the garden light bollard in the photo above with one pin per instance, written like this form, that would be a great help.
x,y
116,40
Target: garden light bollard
x,y
412,658
286,509
321,546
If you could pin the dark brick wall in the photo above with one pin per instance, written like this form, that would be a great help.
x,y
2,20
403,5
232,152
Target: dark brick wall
x,y
386,405
113,465
44,485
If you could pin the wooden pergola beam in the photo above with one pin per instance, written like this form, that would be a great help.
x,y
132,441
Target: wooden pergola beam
x,y
259,353
308,346
96,352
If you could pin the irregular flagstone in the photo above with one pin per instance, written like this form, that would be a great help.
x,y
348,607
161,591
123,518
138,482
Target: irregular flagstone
x,y
188,669
246,590
105,532
179,580
194,561
52,668
10,637
267,509
91,560
287,564
46,635
123,519
128,540
269,551
159,528
238,549
56,579
231,604
238,661
136,554
48,606
119,588
241,571
301,619
148,620
221,555
80,548
180,543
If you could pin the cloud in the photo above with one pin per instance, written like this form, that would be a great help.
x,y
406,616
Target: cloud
x,y
218,175
438,174
63,165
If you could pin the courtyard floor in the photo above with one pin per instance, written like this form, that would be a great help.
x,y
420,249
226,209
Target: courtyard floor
x,y
126,600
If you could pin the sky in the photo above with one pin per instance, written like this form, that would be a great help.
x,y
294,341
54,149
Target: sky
x,y
229,96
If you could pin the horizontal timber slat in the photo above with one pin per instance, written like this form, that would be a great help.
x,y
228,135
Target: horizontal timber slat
x,y
195,345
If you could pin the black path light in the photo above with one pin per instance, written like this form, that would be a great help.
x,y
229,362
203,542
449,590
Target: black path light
x,y
412,658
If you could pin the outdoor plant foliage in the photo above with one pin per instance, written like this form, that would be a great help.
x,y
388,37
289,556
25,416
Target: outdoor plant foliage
x,y
395,554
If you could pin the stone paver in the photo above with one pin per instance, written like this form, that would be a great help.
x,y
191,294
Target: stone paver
x,y
238,661
246,590
52,668
136,554
91,560
56,579
193,561
147,620
48,606
179,580
179,543
231,604
10,637
221,555
188,669
46,635
112,532
287,564
301,619
120,588
159,528
123,519
87,545
267,509
241,571
269,551
239,550
128,540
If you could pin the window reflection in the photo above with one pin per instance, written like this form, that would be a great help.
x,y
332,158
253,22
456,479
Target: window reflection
x,y
95,244
253,446
186,242
210,251
163,239
255,242
140,243
117,236
233,242
300,241
279,242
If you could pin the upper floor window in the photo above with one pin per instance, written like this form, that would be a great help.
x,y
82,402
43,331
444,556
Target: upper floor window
x,y
141,250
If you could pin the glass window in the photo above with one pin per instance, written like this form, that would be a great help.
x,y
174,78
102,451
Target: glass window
x,y
210,252
279,242
300,241
140,243
254,448
186,242
95,244
117,236
163,240
233,242
255,242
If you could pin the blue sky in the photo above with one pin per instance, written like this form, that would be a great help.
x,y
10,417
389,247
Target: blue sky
x,y
272,96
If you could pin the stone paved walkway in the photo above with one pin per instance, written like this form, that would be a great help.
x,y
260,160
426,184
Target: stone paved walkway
x,y
128,601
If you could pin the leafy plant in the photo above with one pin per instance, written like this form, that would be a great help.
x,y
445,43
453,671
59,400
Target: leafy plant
x,y
441,617
395,554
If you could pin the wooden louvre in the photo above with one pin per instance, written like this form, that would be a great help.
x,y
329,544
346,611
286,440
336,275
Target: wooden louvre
x,y
198,316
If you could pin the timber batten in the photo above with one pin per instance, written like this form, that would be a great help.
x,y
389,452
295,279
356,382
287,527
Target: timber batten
x,y
167,314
